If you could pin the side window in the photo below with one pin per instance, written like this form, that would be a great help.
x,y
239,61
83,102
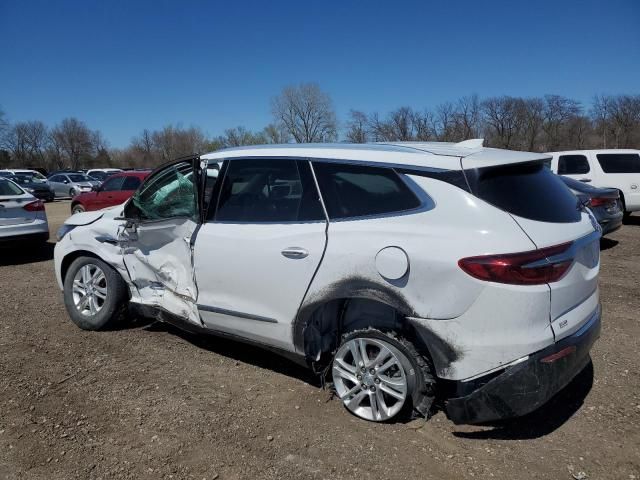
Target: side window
x,y
169,193
357,191
266,190
619,162
130,183
56,179
112,185
573,165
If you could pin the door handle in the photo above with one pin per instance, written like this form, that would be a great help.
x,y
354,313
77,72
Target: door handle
x,y
295,252
585,180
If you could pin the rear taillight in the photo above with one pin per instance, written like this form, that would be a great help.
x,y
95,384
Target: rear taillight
x,y
526,268
599,202
37,206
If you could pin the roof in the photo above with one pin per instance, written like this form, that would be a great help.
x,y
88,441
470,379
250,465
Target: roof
x,y
131,173
435,155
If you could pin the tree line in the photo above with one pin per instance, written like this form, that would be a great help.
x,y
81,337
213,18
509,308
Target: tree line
x,y
304,113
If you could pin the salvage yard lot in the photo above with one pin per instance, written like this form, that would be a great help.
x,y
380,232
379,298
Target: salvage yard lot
x,y
148,401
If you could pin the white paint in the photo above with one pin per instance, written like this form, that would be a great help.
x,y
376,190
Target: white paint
x,y
392,263
240,267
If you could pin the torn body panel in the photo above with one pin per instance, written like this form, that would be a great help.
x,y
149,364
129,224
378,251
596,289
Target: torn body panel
x,y
159,260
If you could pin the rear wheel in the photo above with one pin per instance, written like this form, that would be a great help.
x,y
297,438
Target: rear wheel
x,y
94,293
380,376
72,192
77,209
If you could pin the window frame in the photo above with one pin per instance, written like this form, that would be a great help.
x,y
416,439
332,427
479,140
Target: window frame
x,y
106,182
403,171
586,159
197,172
222,175
425,202
127,177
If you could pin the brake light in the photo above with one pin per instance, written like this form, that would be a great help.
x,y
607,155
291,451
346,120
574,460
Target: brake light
x,y
599,201
536,267
37,206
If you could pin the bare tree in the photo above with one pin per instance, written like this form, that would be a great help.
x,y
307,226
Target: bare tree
x,y
467,118
357,127
74,139
558,111
275,133
617,118
306,113
239,136
502,120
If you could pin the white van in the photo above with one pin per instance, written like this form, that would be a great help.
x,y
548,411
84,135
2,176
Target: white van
x,y
604,168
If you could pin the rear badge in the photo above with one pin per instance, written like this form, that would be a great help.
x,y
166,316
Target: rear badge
x,y
563,323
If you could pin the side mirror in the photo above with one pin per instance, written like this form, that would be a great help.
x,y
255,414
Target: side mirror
x,y
95,188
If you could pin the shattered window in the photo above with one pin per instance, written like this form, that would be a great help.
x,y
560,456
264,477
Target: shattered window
x,y
170,193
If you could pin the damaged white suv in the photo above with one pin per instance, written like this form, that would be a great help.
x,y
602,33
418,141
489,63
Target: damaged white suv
x,y
404,271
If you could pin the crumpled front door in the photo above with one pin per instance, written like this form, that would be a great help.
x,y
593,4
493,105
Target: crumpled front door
x,y
158,257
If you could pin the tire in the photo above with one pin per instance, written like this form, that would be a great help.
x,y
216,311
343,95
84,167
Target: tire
x,y
72,192
108,294
78,208
400,387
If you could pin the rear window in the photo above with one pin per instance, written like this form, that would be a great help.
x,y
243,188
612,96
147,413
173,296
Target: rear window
x,y
527,190
357,191
9,188
619,162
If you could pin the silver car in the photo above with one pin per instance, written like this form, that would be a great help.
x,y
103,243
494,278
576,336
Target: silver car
x,y
22,216
71,184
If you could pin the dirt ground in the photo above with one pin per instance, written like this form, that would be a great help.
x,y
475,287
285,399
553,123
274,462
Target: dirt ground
x,y
151,402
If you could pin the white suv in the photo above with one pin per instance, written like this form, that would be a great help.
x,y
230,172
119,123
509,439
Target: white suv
x,y
407,271
606,169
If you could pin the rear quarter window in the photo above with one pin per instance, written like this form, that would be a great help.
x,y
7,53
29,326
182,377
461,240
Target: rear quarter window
x,y
358,191
528,190
619,162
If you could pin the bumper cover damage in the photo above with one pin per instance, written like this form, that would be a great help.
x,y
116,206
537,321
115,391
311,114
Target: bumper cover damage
x,y
524,387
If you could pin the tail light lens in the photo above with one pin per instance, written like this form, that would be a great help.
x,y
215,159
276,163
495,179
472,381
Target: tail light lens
x,y
37,206
536,267
599,201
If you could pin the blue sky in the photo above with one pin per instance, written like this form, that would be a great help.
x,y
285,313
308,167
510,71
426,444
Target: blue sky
x,y
122,66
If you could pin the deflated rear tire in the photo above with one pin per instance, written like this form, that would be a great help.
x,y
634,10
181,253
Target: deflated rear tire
x,y
95,295
380,376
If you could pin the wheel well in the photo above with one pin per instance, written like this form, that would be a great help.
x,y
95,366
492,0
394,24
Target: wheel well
x,y
68,260
328,322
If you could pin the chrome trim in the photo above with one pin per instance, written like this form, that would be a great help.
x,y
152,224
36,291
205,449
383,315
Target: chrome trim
x,y
570,252
233,313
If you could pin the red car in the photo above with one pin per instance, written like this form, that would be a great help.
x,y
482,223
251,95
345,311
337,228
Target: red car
x,y
114,191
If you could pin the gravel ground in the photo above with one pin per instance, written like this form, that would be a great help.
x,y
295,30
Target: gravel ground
x,y
151,402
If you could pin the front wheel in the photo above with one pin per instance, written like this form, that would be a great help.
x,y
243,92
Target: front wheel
x,y
94,293
380,376
72,192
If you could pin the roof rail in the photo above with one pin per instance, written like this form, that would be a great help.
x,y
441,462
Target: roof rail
x,y
471,143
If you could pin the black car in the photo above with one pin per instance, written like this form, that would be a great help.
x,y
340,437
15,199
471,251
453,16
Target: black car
x,y
604,203
35,186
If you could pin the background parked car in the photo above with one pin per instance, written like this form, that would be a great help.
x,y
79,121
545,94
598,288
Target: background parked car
x,y
605,203
102,174
22,216
619,169
114,191
71,184
33,185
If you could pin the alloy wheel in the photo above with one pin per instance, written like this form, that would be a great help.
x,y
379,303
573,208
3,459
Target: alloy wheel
x,y
369,378
89,289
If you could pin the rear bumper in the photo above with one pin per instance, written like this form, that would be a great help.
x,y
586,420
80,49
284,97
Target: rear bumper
x,y
525,386
26,237
36,230
609,222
